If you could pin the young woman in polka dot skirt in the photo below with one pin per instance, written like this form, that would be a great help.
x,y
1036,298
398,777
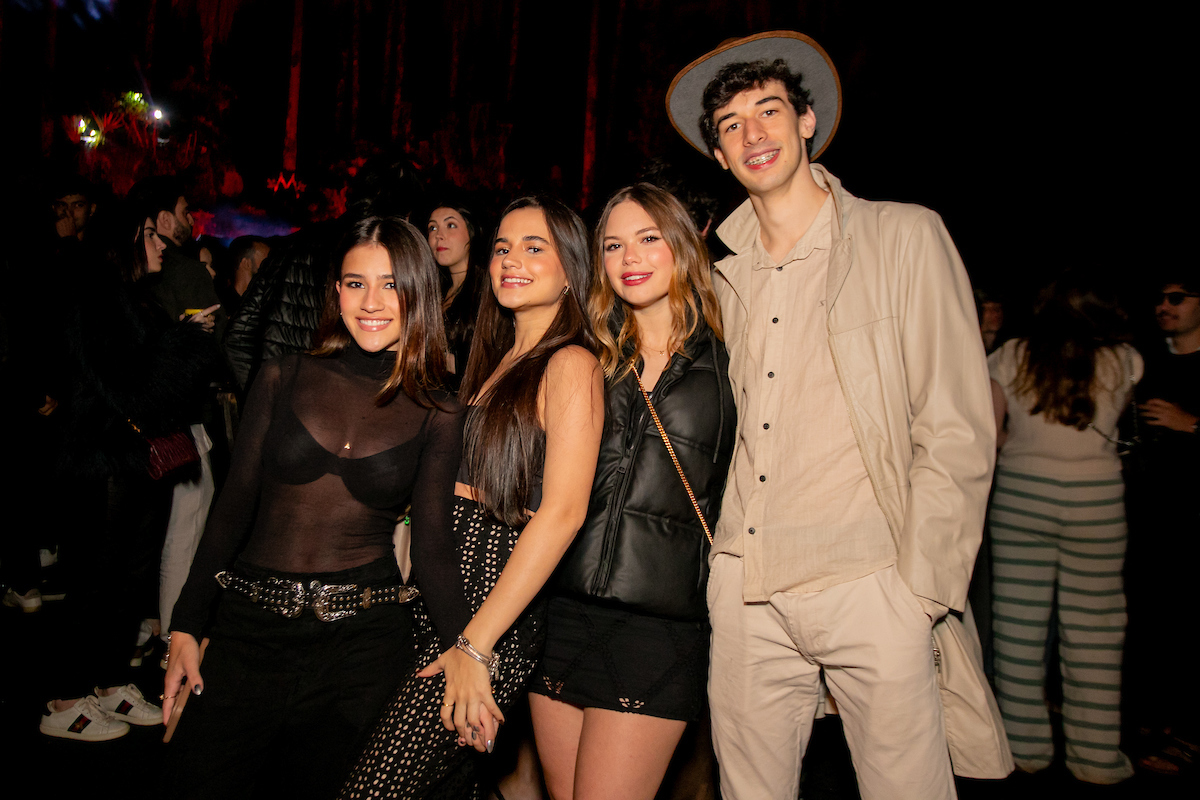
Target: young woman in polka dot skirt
x,y
533,433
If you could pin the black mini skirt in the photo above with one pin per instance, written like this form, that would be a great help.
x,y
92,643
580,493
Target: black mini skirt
x,y
602,657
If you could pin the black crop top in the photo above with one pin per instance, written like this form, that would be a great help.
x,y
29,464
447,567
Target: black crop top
x,y
320,475
535,491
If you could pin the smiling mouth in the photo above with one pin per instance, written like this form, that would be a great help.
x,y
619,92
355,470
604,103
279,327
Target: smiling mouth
x,y
373,324
633,278
513,282
765,158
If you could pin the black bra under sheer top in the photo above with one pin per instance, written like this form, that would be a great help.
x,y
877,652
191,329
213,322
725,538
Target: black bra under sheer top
x,y
321,474
292,455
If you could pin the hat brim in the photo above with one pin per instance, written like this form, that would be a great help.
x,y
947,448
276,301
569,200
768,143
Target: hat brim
x,y
802,54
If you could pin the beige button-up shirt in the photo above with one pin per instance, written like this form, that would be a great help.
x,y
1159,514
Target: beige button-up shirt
x,y
797,470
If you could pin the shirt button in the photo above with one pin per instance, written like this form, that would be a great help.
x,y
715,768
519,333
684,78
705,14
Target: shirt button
x,y
779,269
762,478
770,374
775,319
752,531
766,426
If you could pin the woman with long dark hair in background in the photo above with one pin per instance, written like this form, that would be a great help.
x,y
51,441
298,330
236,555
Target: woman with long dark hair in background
x,y
627,644
1058,528
135,376
313,630
533,431
453,237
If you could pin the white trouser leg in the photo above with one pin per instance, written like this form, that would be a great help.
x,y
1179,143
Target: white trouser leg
x,y
763,692
873,639
189,513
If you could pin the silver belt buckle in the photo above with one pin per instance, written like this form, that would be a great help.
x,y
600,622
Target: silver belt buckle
x,y
322,595
296,604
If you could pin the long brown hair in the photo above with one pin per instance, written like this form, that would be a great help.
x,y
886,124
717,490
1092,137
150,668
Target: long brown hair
x,y
1074,325
505,445
420,364
691,296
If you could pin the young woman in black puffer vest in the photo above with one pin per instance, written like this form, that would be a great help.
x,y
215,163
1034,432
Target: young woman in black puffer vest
x,y
627,640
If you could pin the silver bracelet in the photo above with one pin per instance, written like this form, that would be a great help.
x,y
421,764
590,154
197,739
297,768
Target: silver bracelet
x,y
492,664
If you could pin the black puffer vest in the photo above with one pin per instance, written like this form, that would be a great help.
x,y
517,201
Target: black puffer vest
x,y
642,547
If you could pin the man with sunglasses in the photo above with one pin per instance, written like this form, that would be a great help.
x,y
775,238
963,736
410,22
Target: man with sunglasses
x,y
1165,534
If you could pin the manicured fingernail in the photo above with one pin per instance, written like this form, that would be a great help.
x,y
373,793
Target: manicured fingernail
x,y
490,743
197,690
472,734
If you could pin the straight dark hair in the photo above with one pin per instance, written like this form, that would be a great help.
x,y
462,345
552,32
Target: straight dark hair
x,y
505,444
420,366
460,305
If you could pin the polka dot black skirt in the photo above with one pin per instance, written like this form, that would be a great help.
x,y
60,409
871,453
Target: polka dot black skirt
x,y
410,754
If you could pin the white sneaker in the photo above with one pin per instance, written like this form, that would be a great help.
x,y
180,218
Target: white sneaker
x,y
127,704
85,721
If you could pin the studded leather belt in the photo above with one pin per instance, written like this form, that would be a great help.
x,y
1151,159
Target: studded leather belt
x,y
329,602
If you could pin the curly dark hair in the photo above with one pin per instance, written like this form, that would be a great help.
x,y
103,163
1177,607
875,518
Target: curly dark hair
x,y
743,75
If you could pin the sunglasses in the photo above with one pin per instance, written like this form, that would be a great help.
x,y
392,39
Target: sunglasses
x,y
1175,298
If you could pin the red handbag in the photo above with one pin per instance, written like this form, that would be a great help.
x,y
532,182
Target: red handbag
x,y
169,453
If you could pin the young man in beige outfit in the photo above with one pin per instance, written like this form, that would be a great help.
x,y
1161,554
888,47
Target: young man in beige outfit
x,y
856,496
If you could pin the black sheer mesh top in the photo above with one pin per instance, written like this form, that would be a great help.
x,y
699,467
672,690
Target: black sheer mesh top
x,y
320,475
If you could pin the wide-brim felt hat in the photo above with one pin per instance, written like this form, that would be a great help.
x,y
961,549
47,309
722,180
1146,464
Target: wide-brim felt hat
x,y
802,54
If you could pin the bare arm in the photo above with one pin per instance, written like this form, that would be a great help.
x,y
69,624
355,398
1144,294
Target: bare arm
x,y
572,410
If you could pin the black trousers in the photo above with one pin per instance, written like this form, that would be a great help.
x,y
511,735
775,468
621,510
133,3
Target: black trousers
x,y
287,702
111,556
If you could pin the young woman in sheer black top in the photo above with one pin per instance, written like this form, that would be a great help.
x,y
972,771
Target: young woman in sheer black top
x,y
333,446
533,432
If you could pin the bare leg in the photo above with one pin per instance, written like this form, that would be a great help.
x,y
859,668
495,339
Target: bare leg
x,y
525,781
597,754
557,727
623,756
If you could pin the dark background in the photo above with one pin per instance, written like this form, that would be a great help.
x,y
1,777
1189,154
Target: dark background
x,y
1046,138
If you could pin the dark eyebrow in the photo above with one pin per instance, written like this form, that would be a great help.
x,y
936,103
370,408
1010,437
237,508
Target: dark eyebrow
x,y
534,238
764,100
500,239
387,276
639,233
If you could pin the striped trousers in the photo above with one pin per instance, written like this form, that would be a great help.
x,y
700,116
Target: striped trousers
x,y
1067,539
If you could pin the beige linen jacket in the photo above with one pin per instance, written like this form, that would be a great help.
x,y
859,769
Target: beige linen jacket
x,y
906,347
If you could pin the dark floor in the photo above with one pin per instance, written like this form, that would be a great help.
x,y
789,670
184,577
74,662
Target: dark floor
x,y
42,768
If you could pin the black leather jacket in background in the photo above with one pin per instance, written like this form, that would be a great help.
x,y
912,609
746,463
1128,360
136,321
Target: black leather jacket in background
x,y
642,547
281,309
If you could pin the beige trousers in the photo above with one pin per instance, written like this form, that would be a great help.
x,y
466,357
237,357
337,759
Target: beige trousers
x,y
873,640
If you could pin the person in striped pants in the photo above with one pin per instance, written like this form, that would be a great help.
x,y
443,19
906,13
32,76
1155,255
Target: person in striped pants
x,y
1058,528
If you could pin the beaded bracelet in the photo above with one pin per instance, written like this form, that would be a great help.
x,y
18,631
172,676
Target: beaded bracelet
x,y
492,664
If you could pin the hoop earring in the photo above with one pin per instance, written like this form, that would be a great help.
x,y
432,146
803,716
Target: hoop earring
x,y
566,289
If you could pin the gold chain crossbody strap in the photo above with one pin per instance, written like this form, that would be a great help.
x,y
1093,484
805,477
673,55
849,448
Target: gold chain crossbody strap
x,y
674,459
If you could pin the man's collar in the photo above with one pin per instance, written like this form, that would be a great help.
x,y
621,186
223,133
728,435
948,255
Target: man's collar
x,y
740,229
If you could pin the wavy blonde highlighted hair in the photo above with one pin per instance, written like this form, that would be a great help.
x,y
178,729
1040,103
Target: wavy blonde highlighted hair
x,y
691,296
